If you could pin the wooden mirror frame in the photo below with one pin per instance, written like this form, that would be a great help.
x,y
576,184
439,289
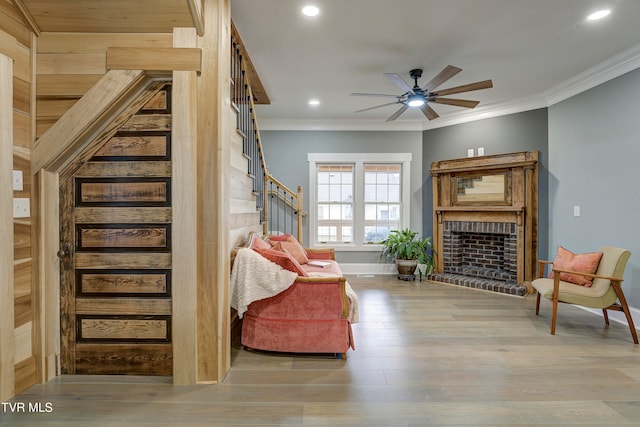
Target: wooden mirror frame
x,y
505,200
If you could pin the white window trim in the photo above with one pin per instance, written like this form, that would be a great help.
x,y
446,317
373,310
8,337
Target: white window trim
x,y
358,159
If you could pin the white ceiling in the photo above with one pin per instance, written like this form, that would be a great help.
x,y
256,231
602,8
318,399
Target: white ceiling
x,y
537,52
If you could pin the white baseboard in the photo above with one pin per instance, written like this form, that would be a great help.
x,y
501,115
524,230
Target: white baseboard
x,y
618,316
368,268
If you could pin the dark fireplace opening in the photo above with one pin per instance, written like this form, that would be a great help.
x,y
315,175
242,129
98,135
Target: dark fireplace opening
x,y
481,255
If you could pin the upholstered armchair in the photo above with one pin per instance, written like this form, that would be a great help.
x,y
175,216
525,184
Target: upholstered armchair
x,y
605,292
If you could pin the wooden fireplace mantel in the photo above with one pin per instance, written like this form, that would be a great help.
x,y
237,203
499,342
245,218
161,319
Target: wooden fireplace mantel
x,y
497,188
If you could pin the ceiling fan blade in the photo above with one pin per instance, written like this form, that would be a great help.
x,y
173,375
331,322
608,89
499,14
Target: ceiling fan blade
x,y
429,112
374,94
485,84
377,106
397,113
457,102
444,75
398,81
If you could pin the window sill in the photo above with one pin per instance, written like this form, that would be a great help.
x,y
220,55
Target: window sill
x,y
350,248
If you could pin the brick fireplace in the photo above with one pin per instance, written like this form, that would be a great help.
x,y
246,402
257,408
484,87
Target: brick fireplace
x,y
485,222
481,255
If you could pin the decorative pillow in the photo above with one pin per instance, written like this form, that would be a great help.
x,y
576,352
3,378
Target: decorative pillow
x,y
293,247
283,259
281,238
581,263
257,242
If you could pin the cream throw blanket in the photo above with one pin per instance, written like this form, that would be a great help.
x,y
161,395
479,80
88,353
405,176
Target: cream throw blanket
x,y
253,277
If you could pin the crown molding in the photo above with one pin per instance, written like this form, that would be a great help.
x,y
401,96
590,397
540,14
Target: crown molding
x,y
613,67
339,125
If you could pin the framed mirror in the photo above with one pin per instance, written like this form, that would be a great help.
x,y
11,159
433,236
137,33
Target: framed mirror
x,y
481,189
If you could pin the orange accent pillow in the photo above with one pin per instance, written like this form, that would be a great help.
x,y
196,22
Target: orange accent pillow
x,y
283,259
294,248
581,263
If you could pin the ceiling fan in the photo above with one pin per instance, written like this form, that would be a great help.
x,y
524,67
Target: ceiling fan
x,y
421,97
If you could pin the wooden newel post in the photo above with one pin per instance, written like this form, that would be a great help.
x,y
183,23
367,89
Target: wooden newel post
x,y
265,205
299,208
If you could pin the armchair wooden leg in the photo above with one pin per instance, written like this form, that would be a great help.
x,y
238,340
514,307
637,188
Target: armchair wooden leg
x,y
554,312
554,309
625,307
537,303
606,316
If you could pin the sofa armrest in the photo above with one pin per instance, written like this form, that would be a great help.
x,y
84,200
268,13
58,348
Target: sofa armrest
x,y
321,253
341,281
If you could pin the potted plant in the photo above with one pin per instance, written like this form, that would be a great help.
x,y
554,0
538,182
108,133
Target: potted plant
x,y
409,251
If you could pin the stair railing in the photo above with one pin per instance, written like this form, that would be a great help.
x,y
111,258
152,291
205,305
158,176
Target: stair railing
x,y
280,207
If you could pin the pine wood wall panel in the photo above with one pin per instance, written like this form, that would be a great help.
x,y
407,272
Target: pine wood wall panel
x,y
68,64
7,356
65,85
97,43
59,63
185,223
22,129
11,23
25,374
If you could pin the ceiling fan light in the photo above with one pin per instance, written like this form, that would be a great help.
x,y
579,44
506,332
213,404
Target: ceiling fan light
x,y
415,101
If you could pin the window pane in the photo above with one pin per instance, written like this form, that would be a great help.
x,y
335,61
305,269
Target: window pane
x,y
323,212
323,177
370,212
323,193
381,194
394,193
369,193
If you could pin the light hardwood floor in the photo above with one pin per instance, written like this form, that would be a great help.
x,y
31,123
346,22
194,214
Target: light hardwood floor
x,y
427,354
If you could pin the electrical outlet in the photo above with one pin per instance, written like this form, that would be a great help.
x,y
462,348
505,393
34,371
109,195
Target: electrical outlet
x,y
21,208
480,151
17,181
470,152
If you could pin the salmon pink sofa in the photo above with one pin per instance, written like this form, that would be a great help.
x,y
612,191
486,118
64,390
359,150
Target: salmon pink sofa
x,y
312,315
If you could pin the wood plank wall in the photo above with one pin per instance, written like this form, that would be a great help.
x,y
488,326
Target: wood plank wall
x,y
12,26
244,216
69,64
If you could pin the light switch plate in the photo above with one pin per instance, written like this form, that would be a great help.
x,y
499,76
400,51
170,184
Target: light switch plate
x,y
21,208
480,151
576,211
18,183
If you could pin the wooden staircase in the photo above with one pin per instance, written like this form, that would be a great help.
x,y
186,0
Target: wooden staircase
x,y
274,207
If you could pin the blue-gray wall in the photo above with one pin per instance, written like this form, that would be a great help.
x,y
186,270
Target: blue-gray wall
x,y
516,132
589,150
594,156
286,157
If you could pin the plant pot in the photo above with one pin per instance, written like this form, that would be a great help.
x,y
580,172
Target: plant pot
x,y
406,268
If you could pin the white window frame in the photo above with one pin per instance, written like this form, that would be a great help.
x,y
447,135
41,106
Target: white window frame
x,y
358,160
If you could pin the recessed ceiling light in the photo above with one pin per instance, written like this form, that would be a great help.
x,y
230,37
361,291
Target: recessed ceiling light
x,y
598,14
310,10
314,102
